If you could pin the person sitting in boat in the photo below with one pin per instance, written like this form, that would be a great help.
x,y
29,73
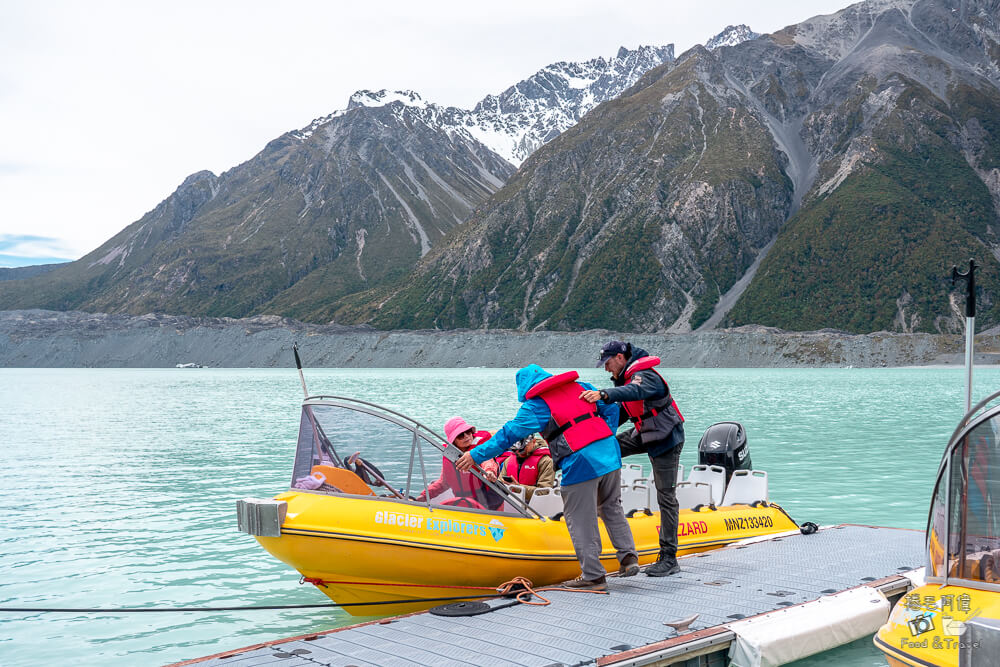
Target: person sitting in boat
x,y
582,443
528,463
463,488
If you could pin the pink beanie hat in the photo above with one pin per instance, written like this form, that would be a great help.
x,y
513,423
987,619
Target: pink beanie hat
x,y
455,427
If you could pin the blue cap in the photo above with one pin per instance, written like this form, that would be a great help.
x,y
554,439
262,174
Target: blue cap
x,y
610,349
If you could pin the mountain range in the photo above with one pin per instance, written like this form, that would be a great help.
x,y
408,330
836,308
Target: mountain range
x,y
347,203
826,175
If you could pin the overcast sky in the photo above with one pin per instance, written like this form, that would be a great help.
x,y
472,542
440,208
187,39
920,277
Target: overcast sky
x,y
105,107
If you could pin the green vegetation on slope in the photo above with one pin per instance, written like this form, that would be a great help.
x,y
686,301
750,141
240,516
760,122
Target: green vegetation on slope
x,y
890,229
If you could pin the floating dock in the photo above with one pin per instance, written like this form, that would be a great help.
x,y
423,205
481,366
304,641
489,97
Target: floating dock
x,y
765,601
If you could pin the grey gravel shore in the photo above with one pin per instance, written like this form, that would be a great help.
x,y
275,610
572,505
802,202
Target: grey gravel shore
x,y
39,338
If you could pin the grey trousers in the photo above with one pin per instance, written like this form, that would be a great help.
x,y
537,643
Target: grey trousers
x,y
665,477
584,502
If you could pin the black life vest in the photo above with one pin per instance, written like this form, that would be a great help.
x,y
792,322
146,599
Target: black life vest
x,y
649,408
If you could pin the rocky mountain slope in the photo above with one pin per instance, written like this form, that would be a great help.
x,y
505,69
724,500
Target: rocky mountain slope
x,y
827,175
347,203
902,131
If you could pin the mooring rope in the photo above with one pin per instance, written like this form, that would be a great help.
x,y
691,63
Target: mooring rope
x,y
519,587
118,610
506,589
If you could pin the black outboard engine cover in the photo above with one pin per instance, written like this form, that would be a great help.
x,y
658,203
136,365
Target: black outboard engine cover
x,y
725,444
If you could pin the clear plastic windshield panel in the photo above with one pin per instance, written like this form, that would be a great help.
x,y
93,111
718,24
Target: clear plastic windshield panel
x,y
391,457
937,530
971,481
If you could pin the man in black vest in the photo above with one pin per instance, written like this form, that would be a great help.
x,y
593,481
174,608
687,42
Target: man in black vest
x,y
658,431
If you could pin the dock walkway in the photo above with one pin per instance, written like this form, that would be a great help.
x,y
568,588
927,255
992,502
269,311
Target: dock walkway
x,y
771,577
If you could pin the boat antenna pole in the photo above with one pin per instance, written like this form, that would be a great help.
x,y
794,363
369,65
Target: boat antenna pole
x,y
324,441
298,364
970,323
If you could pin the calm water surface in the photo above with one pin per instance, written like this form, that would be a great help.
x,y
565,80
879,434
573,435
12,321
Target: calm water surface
x,y
119,486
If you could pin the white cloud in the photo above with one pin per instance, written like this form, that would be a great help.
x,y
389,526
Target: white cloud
x,y
105,107
24,249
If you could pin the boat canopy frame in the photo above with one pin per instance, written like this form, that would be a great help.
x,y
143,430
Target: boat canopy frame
x,y
420,432
940,565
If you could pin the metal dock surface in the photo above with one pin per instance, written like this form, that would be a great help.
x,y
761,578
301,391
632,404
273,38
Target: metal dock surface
x,y
771,576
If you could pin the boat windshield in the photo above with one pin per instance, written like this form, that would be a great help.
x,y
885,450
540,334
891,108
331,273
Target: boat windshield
x,y
349,447
963,512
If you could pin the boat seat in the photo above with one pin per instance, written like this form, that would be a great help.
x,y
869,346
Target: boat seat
x,y
692,494
745,487
546,501
630,473
635,497
345,480
517,490
714,476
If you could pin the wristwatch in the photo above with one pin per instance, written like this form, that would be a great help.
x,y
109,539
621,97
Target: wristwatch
x,y
604,395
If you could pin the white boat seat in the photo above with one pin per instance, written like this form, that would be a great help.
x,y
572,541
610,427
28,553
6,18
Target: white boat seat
x,y
714,476
546,501
517,490
692,494
630,473
635,497
746,487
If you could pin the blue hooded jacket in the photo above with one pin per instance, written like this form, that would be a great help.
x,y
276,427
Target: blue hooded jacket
x,y
591,462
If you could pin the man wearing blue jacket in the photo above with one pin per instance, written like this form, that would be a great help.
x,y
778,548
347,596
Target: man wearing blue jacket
x,y
658,431
582,444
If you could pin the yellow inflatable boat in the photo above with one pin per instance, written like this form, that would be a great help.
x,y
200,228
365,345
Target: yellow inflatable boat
x,y
363,539
954,619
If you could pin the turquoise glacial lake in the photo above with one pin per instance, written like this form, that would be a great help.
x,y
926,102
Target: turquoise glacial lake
x,y
119,485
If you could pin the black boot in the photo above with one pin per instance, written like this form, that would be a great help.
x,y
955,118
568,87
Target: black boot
x,y
663,567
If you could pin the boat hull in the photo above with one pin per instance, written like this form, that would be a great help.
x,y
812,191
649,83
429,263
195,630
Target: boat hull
x,y
937,626
406,557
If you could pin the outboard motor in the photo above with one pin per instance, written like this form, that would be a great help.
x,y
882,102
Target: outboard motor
x,y
725,444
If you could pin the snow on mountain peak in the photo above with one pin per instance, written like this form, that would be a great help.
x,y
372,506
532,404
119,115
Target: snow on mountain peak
x,y
381,98
732,36
366,98
530,113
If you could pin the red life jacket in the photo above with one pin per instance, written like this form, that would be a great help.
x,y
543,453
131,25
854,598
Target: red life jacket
x,y
637,410
575,419
524,472
462,484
